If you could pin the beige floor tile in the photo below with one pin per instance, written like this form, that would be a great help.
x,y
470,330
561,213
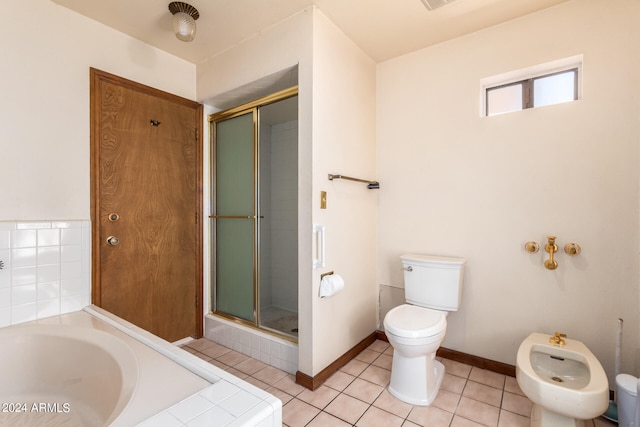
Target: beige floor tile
x,y
347,408
324,419
509,419
319,397
518,404
379,346
233,371
478,412
289,386
430,416
383,361
469,396
453,383
456,368
204,357
364,390
200,344
339,381
367,356
464,422
256,382
483,393
297,413
375,417
376,375
486,377
511,385
250,366
216,350
232,358
392,404
221,365
354,367
284,397
446,400
270,375
189,349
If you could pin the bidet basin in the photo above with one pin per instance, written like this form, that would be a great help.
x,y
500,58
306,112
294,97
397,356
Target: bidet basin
x,y
563,381
562,371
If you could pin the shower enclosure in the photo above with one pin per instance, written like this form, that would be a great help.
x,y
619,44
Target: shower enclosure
x,y
254,213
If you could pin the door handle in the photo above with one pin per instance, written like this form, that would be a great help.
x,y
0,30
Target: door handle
x,y
113,241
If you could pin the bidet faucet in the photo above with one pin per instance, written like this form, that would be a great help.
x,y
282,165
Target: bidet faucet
x,y
558,338
552,248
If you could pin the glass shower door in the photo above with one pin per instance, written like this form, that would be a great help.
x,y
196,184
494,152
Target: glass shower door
x,y
234,217
254,214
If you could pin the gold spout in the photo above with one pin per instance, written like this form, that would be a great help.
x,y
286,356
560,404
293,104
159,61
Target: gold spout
x,y
552,248
558,338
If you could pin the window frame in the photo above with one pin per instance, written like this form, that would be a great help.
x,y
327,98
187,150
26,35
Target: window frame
x,y
527,77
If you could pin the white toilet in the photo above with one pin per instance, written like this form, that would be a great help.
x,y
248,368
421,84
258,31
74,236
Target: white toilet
x,y
433,287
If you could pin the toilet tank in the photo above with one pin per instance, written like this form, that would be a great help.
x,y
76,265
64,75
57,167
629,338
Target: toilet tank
x,y
433,281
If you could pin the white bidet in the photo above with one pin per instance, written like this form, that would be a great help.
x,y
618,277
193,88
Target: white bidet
x,y
563,379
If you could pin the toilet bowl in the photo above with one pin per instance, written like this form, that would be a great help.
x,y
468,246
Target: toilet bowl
x,y
565,382
415,330
627,387
415,333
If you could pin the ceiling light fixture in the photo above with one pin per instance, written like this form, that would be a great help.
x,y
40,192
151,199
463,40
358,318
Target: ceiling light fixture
x,y
434,4
184,20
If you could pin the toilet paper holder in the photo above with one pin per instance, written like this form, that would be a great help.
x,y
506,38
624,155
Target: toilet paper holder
x,y
326,274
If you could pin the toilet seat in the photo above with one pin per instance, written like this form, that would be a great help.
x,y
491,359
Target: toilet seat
x,y
410,321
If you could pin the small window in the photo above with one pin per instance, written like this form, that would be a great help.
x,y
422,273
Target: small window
x,y
544,85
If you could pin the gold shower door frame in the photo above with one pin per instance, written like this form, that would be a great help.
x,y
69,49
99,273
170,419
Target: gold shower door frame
x,y
253,108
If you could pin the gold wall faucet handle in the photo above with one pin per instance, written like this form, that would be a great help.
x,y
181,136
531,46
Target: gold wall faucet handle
x,y
532,247
572,249
558,338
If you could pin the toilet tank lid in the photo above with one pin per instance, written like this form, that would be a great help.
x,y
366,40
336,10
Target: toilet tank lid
x,y
432,259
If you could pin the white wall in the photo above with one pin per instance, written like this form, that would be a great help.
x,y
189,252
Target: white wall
x,y
455,183
47,51
344,96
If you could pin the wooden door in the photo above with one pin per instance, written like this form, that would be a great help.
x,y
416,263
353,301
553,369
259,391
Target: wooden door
x,y
146,193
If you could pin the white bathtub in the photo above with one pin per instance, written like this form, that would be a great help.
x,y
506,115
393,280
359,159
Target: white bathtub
x,y
90,368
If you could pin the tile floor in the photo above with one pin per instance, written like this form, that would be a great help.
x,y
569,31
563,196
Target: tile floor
x,y
356,395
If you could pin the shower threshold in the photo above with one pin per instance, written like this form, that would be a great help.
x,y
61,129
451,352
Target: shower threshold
x,y
270,347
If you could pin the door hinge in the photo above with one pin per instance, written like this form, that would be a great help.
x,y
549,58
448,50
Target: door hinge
x,y
196,300
197,134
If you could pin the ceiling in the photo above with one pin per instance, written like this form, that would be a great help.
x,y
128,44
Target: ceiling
x,y
382,28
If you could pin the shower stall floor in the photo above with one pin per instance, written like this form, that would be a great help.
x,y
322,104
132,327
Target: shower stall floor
x,y
280,320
